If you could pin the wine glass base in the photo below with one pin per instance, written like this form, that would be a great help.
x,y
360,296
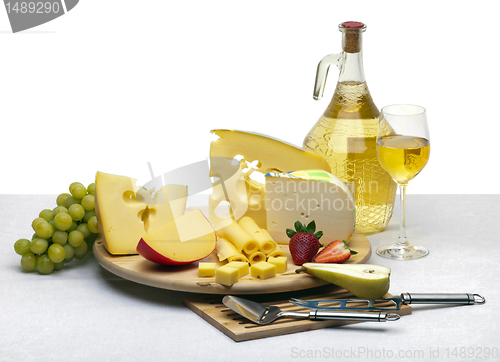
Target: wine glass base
x,y
397,252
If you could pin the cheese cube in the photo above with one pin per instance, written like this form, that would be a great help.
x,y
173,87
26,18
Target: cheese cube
x,y
226,275
206,269
306,196
263,270
280,263
241,266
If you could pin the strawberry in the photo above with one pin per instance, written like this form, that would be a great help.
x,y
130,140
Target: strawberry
x,y
335,252
304,242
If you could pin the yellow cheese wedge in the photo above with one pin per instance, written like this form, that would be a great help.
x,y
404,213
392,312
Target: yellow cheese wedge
x,y
239,237
245,195
263,270
177,196
122,219
264,240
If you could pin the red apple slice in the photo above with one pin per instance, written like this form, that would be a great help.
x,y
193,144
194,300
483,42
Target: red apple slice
x,y
189,238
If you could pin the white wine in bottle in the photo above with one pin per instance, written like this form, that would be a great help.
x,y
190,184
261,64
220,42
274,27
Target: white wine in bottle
x,y
345,135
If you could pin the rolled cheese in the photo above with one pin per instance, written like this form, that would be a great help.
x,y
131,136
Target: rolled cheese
x,y
227,251
239,237
265,242
256,257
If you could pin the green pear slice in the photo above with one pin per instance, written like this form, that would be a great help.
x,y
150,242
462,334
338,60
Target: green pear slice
x,y
363,280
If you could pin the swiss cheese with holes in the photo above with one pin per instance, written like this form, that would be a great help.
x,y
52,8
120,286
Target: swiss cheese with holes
x,y
126,212
234,156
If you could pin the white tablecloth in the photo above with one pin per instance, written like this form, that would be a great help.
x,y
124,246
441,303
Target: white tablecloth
x,y
85,313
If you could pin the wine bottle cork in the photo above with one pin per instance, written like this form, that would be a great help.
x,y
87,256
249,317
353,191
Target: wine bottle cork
x,y
351,37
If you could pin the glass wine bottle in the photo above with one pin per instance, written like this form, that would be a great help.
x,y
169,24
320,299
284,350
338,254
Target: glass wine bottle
x,y
345,135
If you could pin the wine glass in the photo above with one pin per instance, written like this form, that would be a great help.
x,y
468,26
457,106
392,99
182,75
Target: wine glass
x,y
403,147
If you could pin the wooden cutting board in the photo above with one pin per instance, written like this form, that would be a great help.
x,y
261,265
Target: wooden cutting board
x,y
185,278
238,328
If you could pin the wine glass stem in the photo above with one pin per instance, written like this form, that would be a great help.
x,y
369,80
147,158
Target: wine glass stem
x,y
402,241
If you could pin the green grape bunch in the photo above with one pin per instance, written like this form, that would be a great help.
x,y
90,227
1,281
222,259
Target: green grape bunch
x,y
62,234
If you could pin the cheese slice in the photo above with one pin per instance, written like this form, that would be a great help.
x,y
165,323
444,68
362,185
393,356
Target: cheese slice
x,y
306,196
177,196
235,155
126,212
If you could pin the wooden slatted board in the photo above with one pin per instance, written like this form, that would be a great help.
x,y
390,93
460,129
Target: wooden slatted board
x,y
238,328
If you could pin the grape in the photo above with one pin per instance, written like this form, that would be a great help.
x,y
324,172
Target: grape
x,y
73,184
70,201
73,226
28,261
22,246
88,215
44,230
88,202
70,251
61,199
76,211
78,191
92,225
39,245
75,238
36,221
63,221
81,250
59,209
91,189
60,237
84,229
44,264
56,253
66,232
47,214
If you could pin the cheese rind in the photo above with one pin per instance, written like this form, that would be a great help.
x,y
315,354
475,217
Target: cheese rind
x,y
122,218
189,238
267,154
306,196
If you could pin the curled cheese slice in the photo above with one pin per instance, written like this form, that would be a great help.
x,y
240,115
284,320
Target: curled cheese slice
x,y
256,257
265,242
239,237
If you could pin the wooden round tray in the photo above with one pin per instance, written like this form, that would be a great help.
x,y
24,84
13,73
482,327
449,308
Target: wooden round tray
x,y
185,278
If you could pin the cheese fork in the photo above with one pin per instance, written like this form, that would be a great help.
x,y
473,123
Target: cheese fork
x,y
263,314
391,303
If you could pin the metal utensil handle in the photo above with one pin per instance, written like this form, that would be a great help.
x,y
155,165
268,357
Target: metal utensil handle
x,y
318,314
442,298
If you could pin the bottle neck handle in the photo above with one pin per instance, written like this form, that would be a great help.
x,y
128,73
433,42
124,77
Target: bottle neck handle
x,y
350,66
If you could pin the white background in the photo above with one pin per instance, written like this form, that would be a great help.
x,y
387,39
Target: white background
x,y
115,84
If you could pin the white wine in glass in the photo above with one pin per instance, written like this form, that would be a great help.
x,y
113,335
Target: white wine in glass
x,y
403,149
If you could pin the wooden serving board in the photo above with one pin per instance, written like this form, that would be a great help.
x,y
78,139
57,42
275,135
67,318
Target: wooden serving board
x,y
185,278
238,328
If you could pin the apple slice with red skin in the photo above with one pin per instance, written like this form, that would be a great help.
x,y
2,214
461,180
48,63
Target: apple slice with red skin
x,y
189,238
